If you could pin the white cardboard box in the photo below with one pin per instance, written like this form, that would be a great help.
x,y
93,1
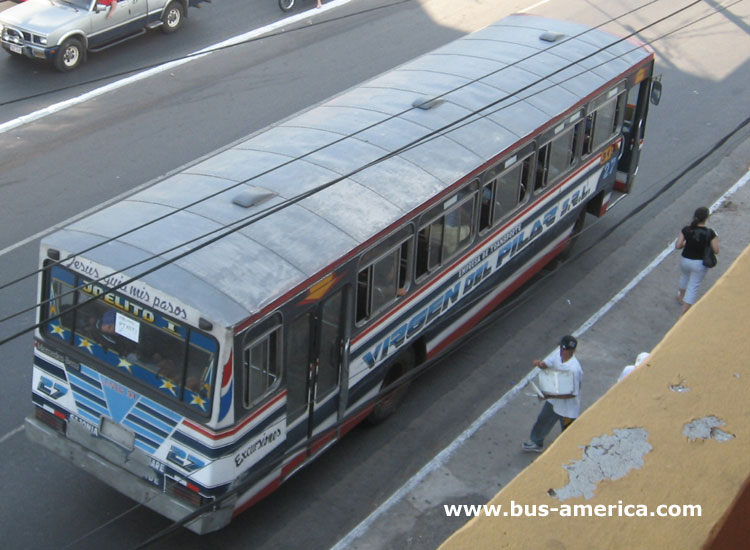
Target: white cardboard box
x,y
556,382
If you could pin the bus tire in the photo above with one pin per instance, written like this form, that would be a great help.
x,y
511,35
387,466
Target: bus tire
x,y
577,230
390,401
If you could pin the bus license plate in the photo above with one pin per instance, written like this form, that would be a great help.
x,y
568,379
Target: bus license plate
x,y
117,433
16,49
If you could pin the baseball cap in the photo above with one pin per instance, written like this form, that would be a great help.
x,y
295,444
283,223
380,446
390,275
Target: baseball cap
x,y
108,318
568,342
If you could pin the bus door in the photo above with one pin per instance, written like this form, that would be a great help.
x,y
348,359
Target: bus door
x,y
314,367
634,128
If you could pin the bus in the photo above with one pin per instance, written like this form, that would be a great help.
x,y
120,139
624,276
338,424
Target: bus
x,y
203,339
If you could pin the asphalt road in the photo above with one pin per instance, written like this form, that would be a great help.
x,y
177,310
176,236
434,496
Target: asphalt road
x,y
69,162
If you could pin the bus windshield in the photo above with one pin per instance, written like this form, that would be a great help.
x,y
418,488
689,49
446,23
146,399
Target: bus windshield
x,y
137,341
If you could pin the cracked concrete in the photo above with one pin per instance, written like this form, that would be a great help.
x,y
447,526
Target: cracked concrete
x,y
606,457
706,428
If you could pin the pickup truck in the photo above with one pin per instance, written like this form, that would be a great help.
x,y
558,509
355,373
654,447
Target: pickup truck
x,y
63,31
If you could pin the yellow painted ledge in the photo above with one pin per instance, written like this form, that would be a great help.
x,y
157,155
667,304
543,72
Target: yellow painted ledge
x,y
707,351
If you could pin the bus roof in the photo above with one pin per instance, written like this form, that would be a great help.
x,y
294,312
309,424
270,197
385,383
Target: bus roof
x,y
238,275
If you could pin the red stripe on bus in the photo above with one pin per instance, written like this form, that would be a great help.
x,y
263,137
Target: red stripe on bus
x,y
487,240
263,493
221,435
293,464
353,421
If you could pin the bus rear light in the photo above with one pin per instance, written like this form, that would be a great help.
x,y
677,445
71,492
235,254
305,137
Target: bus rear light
x,y
55,421
188,493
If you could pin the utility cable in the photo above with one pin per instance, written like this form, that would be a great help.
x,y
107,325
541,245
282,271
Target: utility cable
x,y
339,140
441,132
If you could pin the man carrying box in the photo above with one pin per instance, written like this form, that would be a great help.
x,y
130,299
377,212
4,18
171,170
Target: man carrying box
x,y
563,408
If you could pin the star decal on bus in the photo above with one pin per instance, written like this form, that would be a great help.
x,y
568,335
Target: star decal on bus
x,y
125,365
167,384
58,329
86,343
198,400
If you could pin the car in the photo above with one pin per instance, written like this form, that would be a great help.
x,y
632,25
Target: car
x,y
62,32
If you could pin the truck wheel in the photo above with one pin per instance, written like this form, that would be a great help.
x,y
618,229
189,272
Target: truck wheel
x,y
286,5
69,56
172,18
390,401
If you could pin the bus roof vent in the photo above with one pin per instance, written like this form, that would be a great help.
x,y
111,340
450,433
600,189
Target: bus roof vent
x,y
252,197
426,103
549,36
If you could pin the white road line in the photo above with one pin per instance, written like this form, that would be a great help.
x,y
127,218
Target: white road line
x,y
11,434
442,457
255,33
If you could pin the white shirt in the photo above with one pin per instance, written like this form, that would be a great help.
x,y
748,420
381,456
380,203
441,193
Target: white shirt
x,y
627,370
569,408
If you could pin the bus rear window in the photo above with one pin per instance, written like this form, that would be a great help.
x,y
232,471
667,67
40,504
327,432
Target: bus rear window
x,y
137,341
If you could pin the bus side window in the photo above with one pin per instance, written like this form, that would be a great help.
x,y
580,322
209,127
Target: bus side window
x,y
588,142
510,189
444,236
382,282
562,154
423,256
485,209
457,228
261,363
542,165
603,123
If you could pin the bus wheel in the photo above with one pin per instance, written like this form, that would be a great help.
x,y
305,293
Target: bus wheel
x,y
577,229
390,401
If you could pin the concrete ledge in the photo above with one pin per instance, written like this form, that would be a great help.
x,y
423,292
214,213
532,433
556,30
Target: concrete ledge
x,y
675,432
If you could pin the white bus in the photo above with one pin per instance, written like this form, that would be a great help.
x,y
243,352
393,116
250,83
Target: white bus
x,y
204,338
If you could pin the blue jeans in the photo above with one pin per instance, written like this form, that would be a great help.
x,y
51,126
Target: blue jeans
x,y
545,422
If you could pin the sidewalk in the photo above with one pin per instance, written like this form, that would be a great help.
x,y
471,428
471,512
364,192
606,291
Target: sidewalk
x,y
488,456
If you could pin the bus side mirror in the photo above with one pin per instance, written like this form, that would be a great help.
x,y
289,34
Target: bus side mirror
x,y
656,92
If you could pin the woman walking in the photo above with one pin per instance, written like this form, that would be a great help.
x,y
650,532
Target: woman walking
x,y
692,241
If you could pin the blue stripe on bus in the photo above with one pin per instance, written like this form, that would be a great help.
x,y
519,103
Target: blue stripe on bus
x,y
144,447
85,391
48,367
90,373
90,403
149,420
139,425
158,411
93,383
86,412
146,443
